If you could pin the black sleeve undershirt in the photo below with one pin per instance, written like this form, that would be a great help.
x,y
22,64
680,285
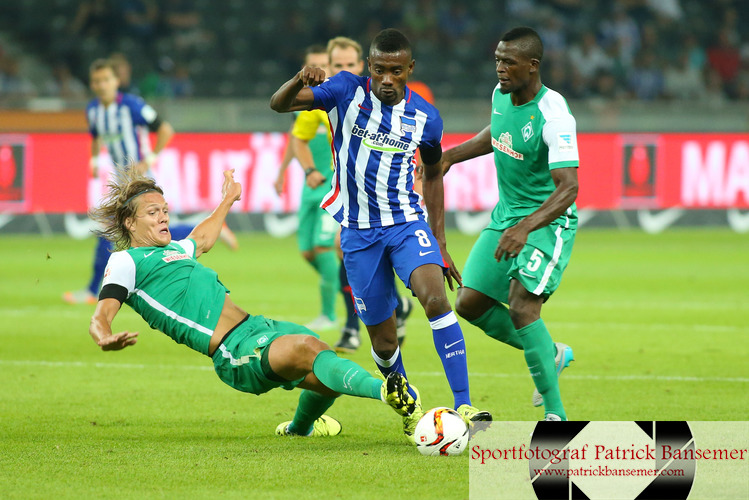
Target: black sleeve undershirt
x,y
431,156
154,125
113,291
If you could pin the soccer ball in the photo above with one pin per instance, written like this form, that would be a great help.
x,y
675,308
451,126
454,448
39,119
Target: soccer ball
x,y
441,431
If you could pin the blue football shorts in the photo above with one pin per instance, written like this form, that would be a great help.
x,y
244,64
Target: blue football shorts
x,y
370,255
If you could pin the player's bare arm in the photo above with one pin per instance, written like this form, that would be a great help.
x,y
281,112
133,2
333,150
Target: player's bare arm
x,y
207,232
94,163
295,94
513,239
100,328
164,135
478,145
314,177
434,199
288,155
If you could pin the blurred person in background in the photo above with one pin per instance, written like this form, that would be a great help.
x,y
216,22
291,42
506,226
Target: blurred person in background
x,y
63,84
309,142
14,85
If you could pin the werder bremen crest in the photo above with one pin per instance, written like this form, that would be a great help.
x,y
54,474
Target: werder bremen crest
x,y
504,144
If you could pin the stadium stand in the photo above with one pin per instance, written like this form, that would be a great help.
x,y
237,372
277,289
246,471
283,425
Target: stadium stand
x,y
624,49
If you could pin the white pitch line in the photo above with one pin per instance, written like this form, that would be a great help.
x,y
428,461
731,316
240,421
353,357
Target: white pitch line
x,y
135,366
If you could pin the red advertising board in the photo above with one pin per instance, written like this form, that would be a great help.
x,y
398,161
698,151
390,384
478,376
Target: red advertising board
x,y
50,173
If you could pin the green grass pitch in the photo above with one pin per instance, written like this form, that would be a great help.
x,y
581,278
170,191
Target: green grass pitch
x,y
659,326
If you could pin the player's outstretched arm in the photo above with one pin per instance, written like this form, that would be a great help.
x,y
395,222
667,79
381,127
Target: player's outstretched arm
x,y
207,232
434,199
295,95
478,145
100,328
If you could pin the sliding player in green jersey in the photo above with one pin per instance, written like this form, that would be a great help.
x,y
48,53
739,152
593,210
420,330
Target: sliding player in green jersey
x,y
519,258
162,281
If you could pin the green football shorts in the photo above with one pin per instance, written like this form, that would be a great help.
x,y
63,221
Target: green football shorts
x,y
241,360
538,266
317,228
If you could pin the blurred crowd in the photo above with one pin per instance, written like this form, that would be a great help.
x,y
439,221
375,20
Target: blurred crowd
x,y
608,50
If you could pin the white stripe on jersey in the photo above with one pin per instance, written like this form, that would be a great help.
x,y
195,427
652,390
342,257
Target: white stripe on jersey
x,y
171,314
128,134
118,156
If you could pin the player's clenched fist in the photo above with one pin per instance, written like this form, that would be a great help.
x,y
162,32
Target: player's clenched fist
x,y
312,77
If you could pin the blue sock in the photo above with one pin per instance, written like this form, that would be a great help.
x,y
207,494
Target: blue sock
x,y
101,257
450,344
394,364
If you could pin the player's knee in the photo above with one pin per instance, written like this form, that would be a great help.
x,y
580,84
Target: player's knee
x,y
309,256
308,347
465,307
436,304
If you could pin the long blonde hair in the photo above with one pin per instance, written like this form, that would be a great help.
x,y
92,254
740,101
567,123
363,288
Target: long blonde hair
x,y
120,204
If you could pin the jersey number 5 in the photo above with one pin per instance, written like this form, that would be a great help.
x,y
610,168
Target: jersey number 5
x,y
535,261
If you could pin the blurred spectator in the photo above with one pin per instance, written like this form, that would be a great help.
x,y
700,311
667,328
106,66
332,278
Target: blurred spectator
x,y
605,86
94,19
64,84
185,24
553,35
455,22
141,18
181,84
696,53
588,58
621,30
714,95
13,84
681,80
646,78
724,58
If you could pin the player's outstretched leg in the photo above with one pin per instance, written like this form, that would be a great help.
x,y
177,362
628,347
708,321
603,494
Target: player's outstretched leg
x,y
309,419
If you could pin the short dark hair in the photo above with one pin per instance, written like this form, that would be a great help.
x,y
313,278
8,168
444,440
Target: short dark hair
x,y
390,41
528,39
315,49
103,63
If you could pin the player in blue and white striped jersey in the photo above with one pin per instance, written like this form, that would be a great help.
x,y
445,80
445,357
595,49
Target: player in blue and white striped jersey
x,y
121,122
378,124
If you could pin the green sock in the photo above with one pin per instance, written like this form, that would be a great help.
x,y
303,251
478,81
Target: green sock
x,y
497,324
327,264
345,376
539,355
311,406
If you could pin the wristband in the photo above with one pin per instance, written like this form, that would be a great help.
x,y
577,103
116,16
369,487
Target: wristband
x,y
151,158
309,170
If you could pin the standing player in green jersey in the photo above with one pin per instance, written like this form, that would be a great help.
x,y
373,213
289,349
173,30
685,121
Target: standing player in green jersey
x,y
519,258
309,142
162,281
